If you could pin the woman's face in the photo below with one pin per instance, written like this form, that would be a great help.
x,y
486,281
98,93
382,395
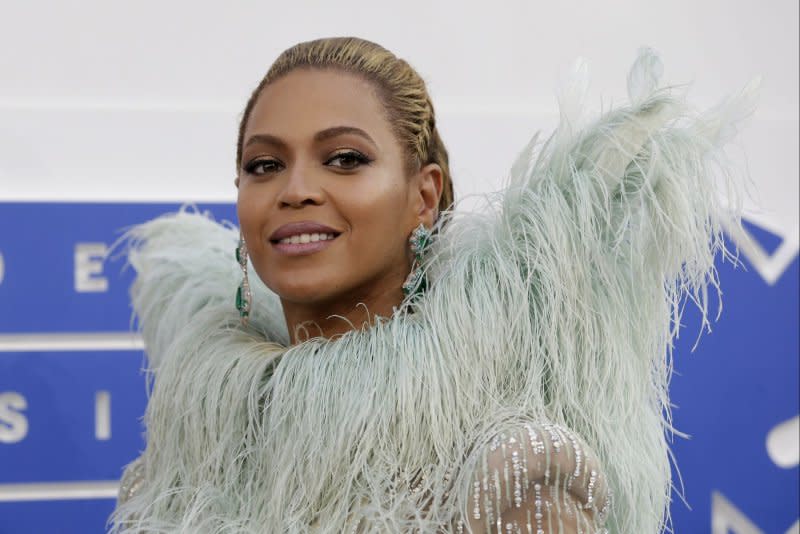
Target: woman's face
x,y
325,205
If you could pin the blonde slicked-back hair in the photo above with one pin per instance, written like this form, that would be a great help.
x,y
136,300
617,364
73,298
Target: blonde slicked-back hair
x,y
400,88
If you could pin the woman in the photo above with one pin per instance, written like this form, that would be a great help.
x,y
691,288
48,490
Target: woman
x,y
393,367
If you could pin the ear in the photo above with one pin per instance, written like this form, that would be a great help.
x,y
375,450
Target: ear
x,y
236,182
428,191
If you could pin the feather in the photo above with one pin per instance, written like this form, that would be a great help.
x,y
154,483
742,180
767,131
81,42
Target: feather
x,y
644,76
558,302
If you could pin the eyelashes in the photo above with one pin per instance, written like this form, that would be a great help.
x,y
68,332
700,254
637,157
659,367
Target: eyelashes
x,y
355,159
347,161
270,164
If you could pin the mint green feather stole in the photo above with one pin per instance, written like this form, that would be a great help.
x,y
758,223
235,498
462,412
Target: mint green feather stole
x,y
525,390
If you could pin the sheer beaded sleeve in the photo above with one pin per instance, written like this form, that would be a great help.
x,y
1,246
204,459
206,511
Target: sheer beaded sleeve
x,y
538,478
131,481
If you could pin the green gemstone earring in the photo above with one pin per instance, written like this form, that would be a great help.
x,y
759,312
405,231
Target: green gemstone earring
x,y
243,295
416,282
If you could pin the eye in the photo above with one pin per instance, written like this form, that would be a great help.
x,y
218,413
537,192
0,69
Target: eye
x,y
268,165
348,160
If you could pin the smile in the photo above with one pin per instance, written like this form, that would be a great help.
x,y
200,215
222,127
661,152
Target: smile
x,y
302,238
303,244
306,238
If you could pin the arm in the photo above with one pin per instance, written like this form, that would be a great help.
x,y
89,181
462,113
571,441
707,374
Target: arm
x,y
565,294
537,477
183,297
132,478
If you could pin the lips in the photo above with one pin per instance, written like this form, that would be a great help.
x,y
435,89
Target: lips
x,y
302,238
300,228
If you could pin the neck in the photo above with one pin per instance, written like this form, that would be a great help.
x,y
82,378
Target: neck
x,y
354,311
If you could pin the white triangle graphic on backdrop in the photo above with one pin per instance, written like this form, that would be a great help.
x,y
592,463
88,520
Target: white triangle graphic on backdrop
x,y
769,266
726,517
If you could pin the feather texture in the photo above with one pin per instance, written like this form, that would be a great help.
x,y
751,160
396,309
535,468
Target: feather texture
x,y
557,303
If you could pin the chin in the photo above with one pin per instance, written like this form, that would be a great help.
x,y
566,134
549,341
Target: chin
x,y
303,293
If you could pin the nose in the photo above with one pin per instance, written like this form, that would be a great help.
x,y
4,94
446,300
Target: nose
x,y
301,188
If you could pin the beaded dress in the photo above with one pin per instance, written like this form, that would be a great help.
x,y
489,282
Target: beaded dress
x,y
524,391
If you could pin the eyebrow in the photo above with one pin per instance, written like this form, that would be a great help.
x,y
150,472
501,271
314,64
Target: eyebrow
x,y
341,130
320,136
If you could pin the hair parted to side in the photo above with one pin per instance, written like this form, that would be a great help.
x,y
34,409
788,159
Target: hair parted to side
x,y
401,89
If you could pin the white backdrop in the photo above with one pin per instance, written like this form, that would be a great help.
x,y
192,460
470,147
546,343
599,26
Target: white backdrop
x,y
140,101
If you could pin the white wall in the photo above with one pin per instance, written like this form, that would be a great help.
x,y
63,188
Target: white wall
x,y
114,101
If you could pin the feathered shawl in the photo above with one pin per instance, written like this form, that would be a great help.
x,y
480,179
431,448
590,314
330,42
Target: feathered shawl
x,y
558,302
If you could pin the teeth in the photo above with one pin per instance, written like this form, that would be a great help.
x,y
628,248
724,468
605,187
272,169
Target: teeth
x,y
306,238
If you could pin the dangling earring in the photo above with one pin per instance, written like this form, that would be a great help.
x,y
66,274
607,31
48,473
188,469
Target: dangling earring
x,y
243,295
416,282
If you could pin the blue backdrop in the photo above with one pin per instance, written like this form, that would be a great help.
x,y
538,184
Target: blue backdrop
x,y
71,400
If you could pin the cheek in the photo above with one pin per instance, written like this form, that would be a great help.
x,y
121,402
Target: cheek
x,y
244,211
250,209
378,215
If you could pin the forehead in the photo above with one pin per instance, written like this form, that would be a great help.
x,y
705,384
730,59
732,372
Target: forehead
x,y
306,101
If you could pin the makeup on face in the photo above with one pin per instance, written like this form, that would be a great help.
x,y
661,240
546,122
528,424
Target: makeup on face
x,y
324,199
302,238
